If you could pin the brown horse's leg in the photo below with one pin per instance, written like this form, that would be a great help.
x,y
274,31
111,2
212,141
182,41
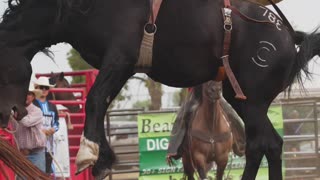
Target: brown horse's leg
x,y
202,173
187,166
200,162
220,169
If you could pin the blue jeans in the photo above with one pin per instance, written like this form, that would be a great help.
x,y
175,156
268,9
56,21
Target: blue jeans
x,y
38,159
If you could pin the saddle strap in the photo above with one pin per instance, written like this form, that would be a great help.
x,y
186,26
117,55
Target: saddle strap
x,y
226,12
207,138
154,8
146,48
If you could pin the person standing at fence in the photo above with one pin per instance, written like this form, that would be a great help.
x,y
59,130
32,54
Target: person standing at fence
x,y
30,139
51,118
293,128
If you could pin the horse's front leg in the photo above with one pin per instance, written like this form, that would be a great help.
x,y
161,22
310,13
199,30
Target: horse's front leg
x,y
94,148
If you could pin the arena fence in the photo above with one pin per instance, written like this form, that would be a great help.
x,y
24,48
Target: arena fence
x,y
302,162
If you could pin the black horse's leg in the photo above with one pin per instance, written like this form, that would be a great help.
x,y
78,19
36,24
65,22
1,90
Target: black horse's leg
x,y
255,118
253,159
273,154
262,139
94,148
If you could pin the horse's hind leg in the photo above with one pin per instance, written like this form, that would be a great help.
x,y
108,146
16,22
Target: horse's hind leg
x,y
273,153
253,159
260,140
263,141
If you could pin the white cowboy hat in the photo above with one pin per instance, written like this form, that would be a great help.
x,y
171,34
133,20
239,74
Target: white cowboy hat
x,y
36,92
43,81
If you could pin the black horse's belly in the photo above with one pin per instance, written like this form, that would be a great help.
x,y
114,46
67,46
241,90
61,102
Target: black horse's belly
x,y
183,66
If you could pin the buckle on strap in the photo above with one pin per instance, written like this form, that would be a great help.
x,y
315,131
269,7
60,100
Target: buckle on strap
x,y
227,19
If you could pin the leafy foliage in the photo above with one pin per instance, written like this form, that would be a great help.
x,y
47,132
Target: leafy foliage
x,y
142,104
180,96
77,63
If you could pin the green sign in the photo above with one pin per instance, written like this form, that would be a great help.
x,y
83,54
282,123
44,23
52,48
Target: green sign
x,y
154,133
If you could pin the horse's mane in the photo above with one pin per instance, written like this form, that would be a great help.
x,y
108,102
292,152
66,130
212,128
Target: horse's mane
x,y
14,8
64,8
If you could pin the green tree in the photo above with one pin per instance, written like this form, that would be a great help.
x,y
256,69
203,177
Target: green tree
x,y
155,92
141,104
180,96
77,63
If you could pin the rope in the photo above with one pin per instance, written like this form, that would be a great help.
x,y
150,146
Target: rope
x,y
18,163
56,162
69,125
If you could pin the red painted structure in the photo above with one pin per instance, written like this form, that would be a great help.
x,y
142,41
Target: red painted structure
x,y
77,120
8,172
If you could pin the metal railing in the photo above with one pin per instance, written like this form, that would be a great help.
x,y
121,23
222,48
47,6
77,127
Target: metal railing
x,y
127,165
303,164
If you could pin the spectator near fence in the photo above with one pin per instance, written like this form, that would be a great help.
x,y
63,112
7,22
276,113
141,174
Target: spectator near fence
x,y
293,128
51,118
30,139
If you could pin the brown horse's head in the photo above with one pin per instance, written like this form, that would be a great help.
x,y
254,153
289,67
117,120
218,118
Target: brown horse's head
x,y
213,89
61,82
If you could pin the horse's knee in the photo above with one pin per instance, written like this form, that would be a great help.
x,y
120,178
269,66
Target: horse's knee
x,y
274,145
274,150
254,152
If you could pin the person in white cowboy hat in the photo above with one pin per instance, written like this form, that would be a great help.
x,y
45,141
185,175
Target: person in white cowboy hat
x,y
29,136
51,117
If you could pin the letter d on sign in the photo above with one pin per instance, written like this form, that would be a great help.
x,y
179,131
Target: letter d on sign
x,y
151,145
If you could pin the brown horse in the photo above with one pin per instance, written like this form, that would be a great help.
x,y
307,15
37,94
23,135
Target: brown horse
x,y
209,137
60,82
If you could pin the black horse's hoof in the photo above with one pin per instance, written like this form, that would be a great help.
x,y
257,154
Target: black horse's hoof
x,y
102,174
101,169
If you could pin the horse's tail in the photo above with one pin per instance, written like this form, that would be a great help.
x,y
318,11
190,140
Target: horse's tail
x,y
308,47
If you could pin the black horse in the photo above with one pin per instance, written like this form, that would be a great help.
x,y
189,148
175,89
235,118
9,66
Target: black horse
x,y
187,50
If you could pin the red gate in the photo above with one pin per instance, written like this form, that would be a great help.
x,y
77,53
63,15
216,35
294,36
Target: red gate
x,y
77,119
8,172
